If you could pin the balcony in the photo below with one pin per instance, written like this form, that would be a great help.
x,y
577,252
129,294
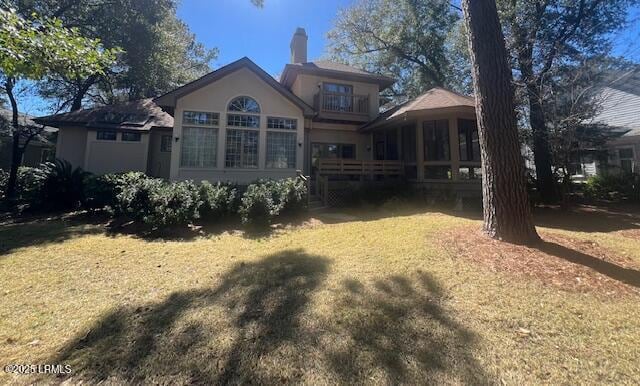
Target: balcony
x,y
342,107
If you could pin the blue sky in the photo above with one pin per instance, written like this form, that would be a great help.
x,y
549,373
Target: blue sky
x,y
240,29
237,29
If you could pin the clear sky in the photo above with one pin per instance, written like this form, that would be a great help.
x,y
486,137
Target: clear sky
x,y
237,29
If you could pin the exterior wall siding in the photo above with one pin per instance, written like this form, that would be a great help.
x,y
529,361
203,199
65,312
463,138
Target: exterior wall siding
x,y
104,157
71,145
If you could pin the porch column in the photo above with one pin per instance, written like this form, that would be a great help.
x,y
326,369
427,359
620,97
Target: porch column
x,y
419,151
454,147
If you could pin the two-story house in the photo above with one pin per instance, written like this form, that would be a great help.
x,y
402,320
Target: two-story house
x,y
240,124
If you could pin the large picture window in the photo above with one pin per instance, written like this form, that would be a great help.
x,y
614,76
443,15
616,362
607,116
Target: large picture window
x,y
436,140
199,147
281,150
468,140
242,148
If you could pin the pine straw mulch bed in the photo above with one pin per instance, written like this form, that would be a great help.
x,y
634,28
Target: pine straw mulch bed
x,y
560,261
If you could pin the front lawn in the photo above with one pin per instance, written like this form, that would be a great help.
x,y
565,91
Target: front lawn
x,y
385,298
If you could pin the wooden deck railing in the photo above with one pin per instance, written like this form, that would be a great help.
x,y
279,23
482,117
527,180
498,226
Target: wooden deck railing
x,y
349,167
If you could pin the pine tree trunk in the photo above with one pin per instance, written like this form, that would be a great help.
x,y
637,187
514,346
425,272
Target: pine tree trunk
x,y
507,215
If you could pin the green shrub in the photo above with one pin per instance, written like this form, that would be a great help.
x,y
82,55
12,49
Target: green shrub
x,y
613,187
4,179
266,199
60,185
28,185
157,203
218,200
101,191
293,195
134,199
175,203
257,207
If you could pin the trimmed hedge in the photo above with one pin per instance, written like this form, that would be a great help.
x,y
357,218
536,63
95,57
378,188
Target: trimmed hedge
x,y
102,191
156,202
613,187
267,199
218,200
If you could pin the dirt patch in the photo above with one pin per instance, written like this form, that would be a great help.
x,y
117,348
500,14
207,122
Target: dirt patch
x,y
560,261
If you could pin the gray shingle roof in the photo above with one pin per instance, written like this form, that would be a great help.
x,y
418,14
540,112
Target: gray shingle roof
x,y
142,114
332,69
433,99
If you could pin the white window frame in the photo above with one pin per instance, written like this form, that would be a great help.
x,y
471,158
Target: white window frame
x,y
287,131
214,125
229,128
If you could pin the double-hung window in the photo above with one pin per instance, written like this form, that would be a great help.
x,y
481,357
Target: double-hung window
x,y
199,139
243,132
281,143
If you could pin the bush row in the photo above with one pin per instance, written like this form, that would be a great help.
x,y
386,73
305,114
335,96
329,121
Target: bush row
x,y
613,187
153,201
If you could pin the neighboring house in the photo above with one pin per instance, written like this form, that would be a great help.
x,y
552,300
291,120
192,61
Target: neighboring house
x,y
240,124
620,110
40,149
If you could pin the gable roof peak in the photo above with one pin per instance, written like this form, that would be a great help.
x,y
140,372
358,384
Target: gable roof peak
x,y
169,99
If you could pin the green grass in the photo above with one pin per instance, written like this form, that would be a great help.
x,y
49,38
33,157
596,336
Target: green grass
x,y
375,300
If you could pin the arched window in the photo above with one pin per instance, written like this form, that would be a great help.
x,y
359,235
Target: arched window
x,y
244,104
243,125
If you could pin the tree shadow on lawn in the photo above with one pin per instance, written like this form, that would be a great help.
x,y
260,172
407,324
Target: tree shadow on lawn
x,y
399,331
256,327
578,218
625,275
42,230
203,228
587,218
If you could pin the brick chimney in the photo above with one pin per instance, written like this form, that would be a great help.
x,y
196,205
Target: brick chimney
x,y
299,46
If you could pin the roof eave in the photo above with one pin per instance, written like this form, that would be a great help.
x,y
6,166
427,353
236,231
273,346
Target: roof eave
x,y
291,71
170,99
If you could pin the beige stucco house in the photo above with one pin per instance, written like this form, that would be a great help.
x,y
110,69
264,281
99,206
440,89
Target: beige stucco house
x,y
320,118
